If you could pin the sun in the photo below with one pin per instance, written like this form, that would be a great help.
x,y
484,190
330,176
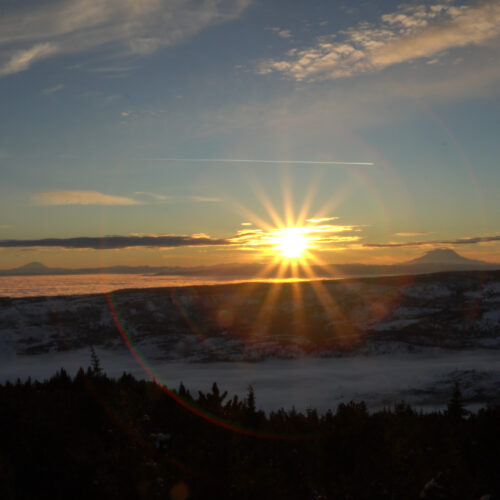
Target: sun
x,y
291,242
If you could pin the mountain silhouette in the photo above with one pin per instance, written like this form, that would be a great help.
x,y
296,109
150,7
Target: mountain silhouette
x,y
33,267
445,256
442,259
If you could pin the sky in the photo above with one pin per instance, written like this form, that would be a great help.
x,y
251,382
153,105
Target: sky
x,y
183,132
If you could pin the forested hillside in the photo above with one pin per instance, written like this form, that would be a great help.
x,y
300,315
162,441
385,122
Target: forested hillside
x,y
95,437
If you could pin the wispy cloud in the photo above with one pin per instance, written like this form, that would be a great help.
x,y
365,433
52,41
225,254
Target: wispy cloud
x,y
411,234
281,32
321,219
127,27
101,98
155,196
181,199
53,90
53,198
414,31
21,60
110,71
460,241
117,242
204,199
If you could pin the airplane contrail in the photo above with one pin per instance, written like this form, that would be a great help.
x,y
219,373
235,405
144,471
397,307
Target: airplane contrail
x,y
298,162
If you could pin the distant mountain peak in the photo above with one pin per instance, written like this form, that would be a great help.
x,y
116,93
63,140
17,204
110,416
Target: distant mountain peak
x,y
443,256
34,266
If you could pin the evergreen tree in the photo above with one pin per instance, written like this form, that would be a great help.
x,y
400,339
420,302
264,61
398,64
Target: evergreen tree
x,y
455,404
251,400
95,362
182,391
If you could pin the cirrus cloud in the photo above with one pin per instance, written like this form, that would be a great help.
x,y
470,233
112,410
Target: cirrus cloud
x,y
55,198
54,89
414,233
21,60
126,27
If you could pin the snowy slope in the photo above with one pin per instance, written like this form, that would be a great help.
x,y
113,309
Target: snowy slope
x,y
258,321
380,339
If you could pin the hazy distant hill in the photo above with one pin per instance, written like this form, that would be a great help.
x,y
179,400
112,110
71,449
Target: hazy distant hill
x,y
432,261
33,269
37,268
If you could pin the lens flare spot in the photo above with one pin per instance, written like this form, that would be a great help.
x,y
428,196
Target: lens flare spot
x,y
225,318
179,491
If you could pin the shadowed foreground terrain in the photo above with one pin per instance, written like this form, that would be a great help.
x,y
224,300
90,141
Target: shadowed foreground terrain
x,y
256,321
95,437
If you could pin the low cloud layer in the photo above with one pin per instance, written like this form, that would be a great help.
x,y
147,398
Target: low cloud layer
x,y
55,198
41,30
412,32
116,242
320,235
459,241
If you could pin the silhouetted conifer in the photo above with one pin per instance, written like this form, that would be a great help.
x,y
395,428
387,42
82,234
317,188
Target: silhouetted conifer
x,y
455,407
251,400
182,391
103,438
95,362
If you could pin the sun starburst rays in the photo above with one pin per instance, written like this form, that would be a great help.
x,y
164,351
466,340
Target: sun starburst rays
x,y
292,248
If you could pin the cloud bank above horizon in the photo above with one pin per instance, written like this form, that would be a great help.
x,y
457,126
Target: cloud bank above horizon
x,y
459,241
117,242
321,237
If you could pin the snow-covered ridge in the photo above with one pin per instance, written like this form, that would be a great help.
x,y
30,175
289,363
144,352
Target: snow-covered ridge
x,y
255,321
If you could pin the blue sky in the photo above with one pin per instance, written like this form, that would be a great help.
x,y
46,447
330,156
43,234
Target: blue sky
x,y
98,98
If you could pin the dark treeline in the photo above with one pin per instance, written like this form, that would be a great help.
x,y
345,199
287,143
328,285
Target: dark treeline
x,y
94,437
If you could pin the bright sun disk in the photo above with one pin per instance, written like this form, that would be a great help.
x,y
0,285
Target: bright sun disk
x,y
291,242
